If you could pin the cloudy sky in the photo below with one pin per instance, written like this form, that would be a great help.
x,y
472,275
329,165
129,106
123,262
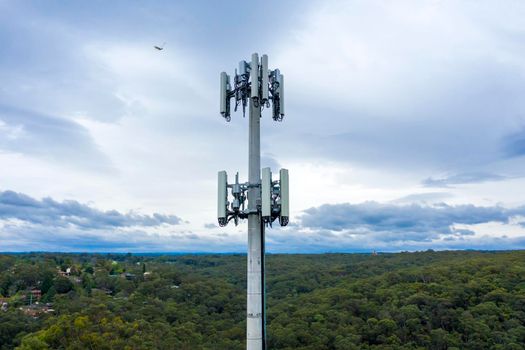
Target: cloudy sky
x,y
405,125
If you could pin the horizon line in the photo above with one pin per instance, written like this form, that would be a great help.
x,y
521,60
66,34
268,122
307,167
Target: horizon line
x,y
244,253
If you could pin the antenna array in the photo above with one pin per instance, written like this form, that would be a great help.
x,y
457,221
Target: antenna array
x,y
268,86
260,201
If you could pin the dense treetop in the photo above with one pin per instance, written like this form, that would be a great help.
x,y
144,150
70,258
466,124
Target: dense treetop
x,y
425,300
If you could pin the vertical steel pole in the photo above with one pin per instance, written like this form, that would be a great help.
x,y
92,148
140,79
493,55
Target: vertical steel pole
x,y
255,328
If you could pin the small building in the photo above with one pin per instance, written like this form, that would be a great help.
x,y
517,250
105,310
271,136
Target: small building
x,y
129,276
36,293
36,310
64,273
30,311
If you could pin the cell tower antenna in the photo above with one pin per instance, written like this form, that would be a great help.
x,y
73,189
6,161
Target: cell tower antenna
x,y
254,86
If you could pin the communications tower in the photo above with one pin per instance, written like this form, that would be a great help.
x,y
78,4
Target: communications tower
x,y
260,200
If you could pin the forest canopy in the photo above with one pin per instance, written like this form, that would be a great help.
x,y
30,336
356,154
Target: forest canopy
x,y
423,300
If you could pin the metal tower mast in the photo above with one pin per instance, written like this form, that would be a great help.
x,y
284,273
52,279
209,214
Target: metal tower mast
x,y
255,328
254,86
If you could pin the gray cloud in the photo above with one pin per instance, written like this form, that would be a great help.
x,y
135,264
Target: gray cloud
x,y
464,232
71,226
403,222
462,178
49,137
268,160
329,241
70,213
42,238
514,144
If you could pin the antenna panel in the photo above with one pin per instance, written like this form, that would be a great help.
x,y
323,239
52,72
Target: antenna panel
x,y
254,75
264,77
224,94
222,198
280,79
266,192
285,197
242,67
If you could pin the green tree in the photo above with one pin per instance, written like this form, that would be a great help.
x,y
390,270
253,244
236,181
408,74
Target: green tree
x,y
62,285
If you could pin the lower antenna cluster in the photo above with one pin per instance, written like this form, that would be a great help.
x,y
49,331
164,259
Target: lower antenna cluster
x,y
274,202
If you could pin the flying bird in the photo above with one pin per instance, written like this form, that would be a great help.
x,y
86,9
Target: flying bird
x,y
160,48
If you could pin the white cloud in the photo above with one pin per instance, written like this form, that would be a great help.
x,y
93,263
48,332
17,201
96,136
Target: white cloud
x,y
429,86
393,59
11,132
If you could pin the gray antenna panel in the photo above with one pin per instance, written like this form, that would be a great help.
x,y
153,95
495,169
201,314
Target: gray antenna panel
x,y
222,198
254,75
264,77
224,93
281,94
242,67
266,192
285,196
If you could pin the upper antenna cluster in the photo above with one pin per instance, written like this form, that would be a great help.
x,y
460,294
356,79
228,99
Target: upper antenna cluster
x,y
253,80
